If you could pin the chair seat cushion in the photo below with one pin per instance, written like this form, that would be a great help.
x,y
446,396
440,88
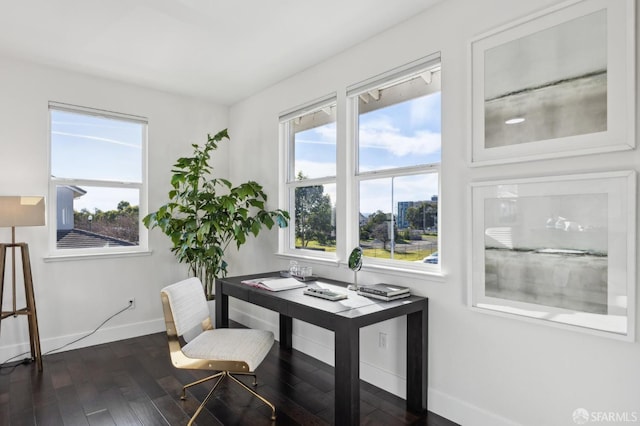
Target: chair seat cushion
x,y
231,344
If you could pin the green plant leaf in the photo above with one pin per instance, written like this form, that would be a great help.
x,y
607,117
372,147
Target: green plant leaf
x,y
239,235
177,179
255,228
257,203
203,231
149,220
267,221
282,221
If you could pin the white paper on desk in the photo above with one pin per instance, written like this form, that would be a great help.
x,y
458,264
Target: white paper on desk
x,y
352,300
274,283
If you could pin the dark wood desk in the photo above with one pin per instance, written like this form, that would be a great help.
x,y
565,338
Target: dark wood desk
x,y
344,318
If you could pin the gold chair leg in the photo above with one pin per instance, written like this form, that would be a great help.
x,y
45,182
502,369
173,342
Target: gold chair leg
x,y
201,407
254,393
184,388
255,378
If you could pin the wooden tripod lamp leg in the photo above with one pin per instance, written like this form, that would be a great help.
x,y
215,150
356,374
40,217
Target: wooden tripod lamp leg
x,y
3,255
30,310
34,335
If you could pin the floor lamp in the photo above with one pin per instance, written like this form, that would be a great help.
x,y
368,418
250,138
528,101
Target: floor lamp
x,y
21,211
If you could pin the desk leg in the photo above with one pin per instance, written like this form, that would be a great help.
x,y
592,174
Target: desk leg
x,y
347,374
222,307
286,332
417,360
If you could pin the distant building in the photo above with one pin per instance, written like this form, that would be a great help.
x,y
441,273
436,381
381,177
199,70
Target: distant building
x,y
65,196
362,219
403,206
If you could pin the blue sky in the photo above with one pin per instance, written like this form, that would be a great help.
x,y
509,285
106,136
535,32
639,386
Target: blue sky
x,y
401,135
97,148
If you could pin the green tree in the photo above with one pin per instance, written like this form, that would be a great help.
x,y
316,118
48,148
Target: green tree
x,y
414,217
122,223
312,214
423,215
377,227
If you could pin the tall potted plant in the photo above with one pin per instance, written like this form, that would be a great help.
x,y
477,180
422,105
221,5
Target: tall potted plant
x,y
205,214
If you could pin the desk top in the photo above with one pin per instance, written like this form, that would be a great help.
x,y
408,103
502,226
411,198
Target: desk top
x,y
319,311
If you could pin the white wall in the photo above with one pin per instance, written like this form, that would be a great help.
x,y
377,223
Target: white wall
x,y
74,297
483,370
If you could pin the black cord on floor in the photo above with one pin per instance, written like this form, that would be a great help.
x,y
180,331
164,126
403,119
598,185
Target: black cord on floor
x,y
13,366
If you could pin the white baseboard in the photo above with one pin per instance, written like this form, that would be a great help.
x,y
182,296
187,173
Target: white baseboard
x,y
462,412
314,349
252,321
104,335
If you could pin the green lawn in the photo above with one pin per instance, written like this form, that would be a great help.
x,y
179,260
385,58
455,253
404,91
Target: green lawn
x,y
407,253
409,256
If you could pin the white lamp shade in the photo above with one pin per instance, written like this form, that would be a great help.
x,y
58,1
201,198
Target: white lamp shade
x,y
21,211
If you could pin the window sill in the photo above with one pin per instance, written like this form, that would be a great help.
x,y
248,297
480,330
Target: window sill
x,y
435,276
431,275
309,258
92,256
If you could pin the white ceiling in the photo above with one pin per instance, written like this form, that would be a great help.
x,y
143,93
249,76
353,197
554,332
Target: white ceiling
x,y
222,50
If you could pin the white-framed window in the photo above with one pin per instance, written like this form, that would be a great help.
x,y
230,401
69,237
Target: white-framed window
x,y
396,122
97,184
388,170
309,137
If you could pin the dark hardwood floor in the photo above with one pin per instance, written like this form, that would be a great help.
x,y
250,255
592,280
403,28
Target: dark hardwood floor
x,y
132,382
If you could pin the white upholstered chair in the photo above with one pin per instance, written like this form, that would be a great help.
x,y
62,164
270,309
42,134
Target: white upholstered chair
x,y
229,351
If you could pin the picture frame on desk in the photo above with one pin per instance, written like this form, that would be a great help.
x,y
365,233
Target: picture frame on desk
x,y
557,250
560,82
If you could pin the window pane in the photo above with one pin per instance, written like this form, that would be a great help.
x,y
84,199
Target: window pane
x,y
315,217
85,146
314,144
399,217
97,217
401,128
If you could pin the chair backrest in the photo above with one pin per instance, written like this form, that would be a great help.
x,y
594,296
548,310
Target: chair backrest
x,y
188,304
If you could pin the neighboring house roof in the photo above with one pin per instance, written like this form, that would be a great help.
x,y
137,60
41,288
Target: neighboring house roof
x,y
78,238
77,191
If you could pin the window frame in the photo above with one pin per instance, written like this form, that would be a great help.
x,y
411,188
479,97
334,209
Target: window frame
x,y
55,182
390,78
288,178
348,177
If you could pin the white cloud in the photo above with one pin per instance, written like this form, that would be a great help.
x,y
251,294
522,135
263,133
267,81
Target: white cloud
x,y
327,132
313,169
315,142
425,111
96,138
381,134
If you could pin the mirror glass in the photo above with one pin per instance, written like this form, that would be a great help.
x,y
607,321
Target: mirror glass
x,y
355,259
